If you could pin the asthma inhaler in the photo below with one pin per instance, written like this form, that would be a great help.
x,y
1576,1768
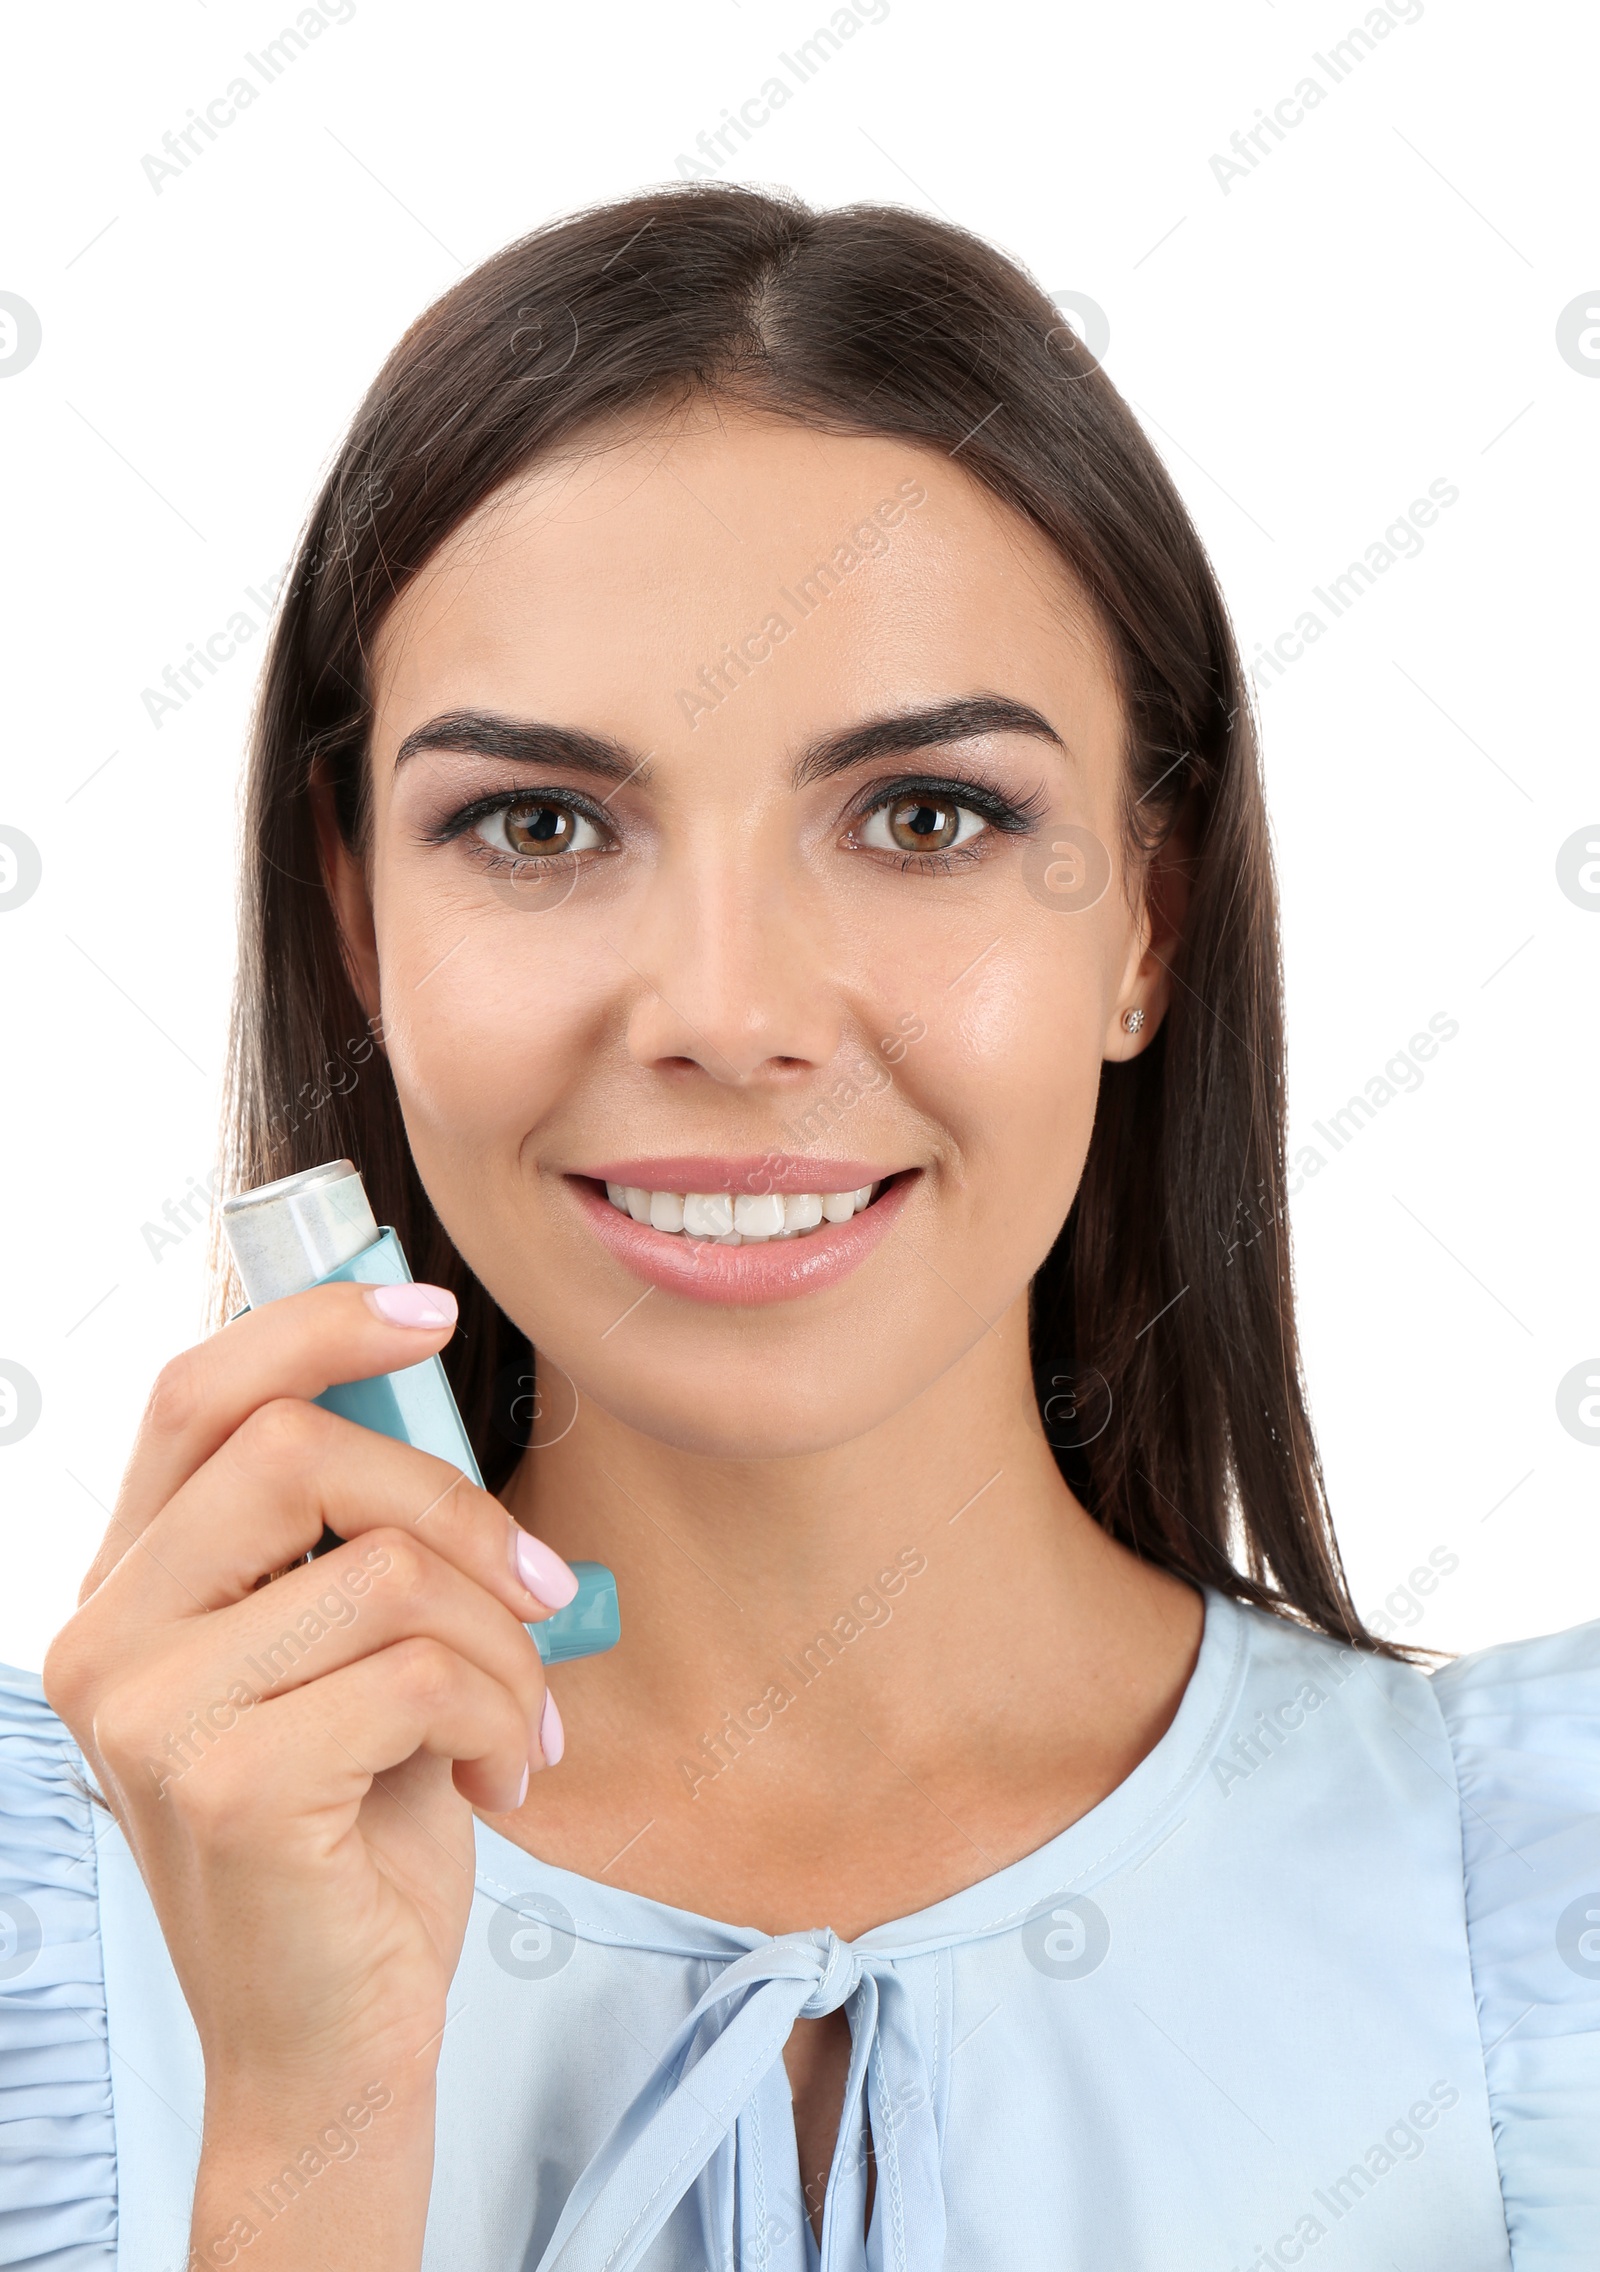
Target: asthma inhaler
x,y
318,1229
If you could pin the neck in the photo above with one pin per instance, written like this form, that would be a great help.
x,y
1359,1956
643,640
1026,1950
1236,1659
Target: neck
x,y
950,1523
853,1681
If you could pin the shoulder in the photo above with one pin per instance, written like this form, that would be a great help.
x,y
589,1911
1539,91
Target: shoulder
x,y
1523,1721
57,2140
1539,1694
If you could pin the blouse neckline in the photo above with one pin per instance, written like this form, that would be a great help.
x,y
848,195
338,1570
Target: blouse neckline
x,y
1134,1817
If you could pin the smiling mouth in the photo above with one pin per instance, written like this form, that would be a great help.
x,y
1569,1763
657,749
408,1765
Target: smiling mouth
x,y
727,1218
740,1231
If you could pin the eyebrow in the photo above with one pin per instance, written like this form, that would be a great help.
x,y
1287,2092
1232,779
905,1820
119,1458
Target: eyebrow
x,y
961,720
526,741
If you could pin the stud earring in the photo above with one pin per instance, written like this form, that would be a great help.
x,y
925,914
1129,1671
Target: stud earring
x,y
1132,1020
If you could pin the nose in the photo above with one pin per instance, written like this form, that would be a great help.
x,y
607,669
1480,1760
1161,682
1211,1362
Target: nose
x,y
729,961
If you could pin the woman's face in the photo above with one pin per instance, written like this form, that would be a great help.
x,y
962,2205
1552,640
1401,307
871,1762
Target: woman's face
x,y
741,798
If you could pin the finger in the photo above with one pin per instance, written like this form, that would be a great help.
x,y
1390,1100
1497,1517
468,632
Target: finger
x,y
298,1347
354,1602
290,1468
414,1696
312,1755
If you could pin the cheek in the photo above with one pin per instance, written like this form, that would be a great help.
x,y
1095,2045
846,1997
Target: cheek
x,y
1011,1067
489,1017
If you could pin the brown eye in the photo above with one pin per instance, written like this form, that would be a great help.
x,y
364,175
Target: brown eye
x,y
920,822
538,830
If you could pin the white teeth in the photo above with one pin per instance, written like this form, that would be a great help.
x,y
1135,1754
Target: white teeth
x,y
666,1211
759,1215
737,1219
708,1214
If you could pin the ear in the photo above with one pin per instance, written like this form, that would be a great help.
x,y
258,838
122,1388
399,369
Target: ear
x,y
1160,917
344,878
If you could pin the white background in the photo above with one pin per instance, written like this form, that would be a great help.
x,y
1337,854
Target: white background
x,y
1371,308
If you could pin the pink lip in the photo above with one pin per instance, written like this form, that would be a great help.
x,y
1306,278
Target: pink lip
x,y
744,1172
737,1276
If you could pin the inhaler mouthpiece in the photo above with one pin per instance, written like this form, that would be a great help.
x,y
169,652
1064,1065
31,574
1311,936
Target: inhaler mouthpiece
x,y
286,1236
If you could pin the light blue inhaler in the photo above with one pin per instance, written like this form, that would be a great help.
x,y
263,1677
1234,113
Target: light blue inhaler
x,y
318,1229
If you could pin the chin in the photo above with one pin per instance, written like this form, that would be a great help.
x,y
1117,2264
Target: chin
x,y
719,1411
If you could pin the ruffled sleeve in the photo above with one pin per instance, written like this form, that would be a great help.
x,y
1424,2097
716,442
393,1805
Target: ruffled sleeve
x,y
1524,1723
58,2185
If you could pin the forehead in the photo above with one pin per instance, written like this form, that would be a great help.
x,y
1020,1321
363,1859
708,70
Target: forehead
x,y
654,571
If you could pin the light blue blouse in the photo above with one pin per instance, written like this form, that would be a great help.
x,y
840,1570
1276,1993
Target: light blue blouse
x,y
1319,1983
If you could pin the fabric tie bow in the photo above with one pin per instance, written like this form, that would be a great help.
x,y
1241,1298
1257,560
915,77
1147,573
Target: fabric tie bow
x,y
719,2111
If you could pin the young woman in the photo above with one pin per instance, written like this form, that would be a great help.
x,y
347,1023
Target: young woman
x,y
755,848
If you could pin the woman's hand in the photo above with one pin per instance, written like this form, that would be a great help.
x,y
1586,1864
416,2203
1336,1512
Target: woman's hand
x,y
293,1763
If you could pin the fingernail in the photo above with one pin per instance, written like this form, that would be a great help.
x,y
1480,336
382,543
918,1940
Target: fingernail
x,y
542,1570
522,1792
552,1736
412,1305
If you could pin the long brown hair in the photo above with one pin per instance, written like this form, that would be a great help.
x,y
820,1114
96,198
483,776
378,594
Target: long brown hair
x,y
1166,1358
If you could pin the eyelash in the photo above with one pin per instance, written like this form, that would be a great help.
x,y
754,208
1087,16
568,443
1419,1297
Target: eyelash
x,y
459,823
1002,815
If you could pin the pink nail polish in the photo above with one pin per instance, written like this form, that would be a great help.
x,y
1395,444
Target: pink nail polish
x,y
552,1736
542,1570
412,1304
523,1791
